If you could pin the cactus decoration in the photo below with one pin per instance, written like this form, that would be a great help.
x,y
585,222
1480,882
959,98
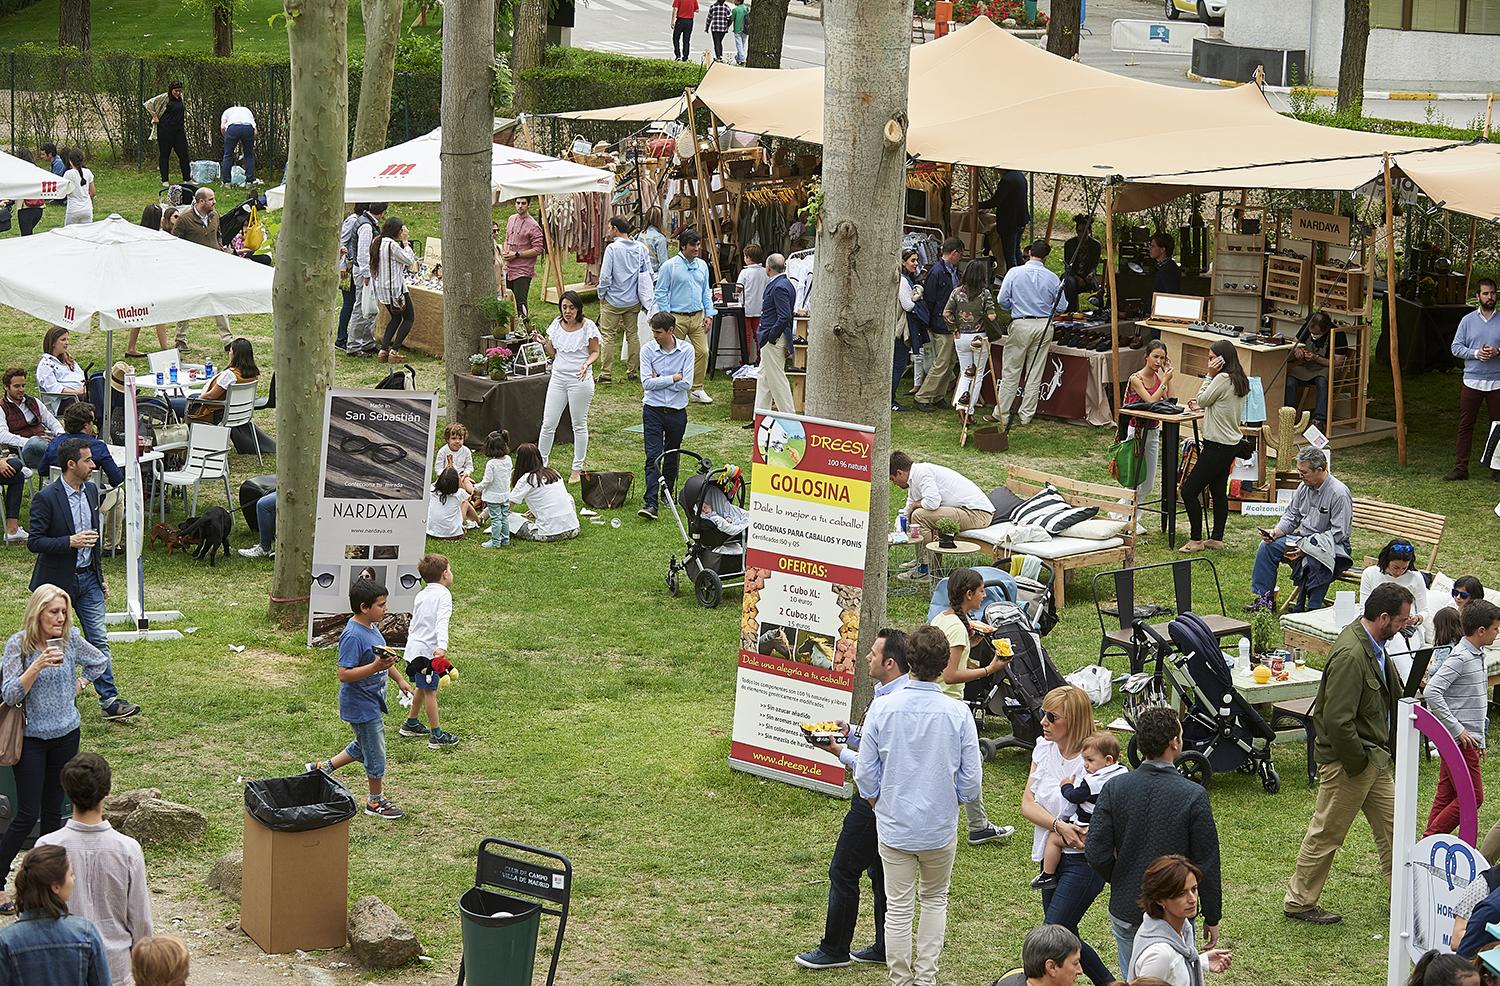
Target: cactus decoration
x,y
1289,427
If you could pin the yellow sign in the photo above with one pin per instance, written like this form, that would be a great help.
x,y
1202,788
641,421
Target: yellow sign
x,y
834,491
1320,226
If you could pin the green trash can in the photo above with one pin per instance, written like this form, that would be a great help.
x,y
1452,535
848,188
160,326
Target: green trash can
x,y
500,934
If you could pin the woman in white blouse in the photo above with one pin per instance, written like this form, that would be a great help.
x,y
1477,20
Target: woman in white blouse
x,y
573,343
59,378
1397,563
390,257
80,207
551,515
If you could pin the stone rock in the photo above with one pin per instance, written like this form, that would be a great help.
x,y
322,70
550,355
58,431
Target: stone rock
x,y
378,937
227,873
155,822
117,807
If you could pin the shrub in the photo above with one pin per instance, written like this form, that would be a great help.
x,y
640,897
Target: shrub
x,y
575,79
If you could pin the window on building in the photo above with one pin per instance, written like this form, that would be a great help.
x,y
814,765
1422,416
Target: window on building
x,y
1448,16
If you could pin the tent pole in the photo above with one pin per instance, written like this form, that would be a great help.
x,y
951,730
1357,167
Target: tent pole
x,y
1052,216
1390,314
1469,274
553,260
1489,109
1114,298
109,362
974,212
703,202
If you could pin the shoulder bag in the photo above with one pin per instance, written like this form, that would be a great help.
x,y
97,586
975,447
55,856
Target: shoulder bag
x,y
12,732
1127,459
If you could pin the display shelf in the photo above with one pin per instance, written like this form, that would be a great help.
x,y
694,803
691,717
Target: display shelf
x,y
1288,279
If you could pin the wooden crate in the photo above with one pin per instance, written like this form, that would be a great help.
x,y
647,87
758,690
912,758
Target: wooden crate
x,y
1341,290
1288,280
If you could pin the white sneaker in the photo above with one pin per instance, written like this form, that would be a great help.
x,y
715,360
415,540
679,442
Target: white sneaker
x,y
701,396
27,472
19,537
256,551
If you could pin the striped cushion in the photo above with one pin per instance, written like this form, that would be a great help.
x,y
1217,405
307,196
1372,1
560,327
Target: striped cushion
x,y
1048,510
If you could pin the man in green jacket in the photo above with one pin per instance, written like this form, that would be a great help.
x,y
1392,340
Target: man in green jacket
x,y
1355,747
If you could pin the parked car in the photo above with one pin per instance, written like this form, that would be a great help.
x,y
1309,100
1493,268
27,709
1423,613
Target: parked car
x,y
1208,11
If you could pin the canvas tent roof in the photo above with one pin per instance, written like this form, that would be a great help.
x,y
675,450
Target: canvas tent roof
x,y
23,180
114,267
657,109
412,172
1038,112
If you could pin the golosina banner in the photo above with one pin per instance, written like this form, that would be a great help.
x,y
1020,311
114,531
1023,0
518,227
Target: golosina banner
x,y
372,506
805,558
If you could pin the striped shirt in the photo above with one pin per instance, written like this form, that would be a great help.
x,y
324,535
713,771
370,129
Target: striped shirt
x,y
1458,692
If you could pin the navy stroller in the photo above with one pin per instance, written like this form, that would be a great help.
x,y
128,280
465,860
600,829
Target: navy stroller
x,y
1220,730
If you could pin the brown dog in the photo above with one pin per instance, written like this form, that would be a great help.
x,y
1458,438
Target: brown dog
x,y
172,538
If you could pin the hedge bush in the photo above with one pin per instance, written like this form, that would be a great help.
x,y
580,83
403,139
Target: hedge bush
x,y
11,6
576,79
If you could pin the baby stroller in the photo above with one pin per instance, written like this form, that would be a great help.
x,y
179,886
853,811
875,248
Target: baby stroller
x,y
714,558
1017,692
1220,730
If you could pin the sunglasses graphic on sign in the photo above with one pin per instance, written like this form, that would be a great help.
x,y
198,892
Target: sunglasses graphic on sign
x,y
383,452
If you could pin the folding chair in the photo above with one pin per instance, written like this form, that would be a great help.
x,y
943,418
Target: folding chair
x,y
207,458
239,409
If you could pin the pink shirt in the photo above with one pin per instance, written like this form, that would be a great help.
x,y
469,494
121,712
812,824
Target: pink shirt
x,y
522,233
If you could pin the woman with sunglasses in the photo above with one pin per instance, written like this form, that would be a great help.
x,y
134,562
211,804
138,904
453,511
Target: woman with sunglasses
x,y
1397,563
1067,720
1466,588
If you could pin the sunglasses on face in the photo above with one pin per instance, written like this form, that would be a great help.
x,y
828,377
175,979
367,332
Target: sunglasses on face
x,y
1460,594
1050,716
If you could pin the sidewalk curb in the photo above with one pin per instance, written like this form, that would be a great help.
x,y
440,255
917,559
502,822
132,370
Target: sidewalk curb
x,y
1375,94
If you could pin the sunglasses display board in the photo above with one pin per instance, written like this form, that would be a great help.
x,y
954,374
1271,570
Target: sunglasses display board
x,y
372,505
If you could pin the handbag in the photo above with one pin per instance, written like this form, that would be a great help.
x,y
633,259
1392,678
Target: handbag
x,y
12,733
606,490
255,231
1127,461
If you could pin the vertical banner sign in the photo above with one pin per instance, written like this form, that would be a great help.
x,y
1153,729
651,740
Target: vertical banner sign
x,y
805,558
372,506
135,590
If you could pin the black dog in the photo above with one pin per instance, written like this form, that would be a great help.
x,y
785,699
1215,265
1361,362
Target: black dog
x,y
212,530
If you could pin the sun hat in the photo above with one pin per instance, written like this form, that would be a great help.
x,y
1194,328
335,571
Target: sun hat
x,y
117,375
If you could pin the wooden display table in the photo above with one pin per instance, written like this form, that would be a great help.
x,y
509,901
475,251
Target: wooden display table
x,y
426,334
1188,351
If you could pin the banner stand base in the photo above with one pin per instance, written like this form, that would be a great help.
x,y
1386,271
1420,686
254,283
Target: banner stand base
x,y
145,632
780,775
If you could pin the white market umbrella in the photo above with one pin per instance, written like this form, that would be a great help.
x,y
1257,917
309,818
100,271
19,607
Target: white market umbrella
x,y
411,172
24,180
129,275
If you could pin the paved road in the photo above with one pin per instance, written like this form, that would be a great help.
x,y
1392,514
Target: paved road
x,y
643,27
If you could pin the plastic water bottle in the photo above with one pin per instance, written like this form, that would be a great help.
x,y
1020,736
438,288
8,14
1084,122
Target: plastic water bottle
x,y
172,373
1243,664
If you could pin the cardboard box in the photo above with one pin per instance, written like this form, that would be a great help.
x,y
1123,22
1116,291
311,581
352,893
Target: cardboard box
x,y
295,889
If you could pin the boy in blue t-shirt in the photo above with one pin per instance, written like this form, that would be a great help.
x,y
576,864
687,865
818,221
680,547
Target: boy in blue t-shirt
x,y
364,662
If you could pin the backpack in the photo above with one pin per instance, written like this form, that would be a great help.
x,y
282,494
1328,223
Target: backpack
x,y
398,380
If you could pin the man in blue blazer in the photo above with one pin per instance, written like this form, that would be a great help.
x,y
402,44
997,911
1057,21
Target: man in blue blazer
x,y
63,533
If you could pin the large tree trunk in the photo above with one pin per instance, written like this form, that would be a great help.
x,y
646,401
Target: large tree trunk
x,y
528,48
766,26
1062,30
305,289
75,24
468,203
373,119
223,30
1351,96
859,235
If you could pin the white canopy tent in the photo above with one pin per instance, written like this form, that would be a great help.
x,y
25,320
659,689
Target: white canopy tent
x,y
412,172
24,180
128,275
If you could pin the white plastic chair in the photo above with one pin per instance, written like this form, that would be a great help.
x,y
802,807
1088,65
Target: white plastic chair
x,y
161,362
239,409
207,458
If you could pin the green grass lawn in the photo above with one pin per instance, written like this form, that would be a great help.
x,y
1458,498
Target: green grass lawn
x,y
163,27
595,713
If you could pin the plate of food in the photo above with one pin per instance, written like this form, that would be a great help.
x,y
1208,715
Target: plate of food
x,y
823,733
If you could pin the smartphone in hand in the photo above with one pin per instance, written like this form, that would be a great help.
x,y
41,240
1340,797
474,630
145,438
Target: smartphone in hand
x,y
1267,535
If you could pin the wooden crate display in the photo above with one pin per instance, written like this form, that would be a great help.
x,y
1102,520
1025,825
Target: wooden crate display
x,y
1342,289
1238,276
1288,280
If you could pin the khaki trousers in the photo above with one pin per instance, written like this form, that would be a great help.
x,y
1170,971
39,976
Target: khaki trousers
x,y
1025,351
615,323
910,876
968,519
690,327
221,321
1491,843
772,387
1340,799
938,382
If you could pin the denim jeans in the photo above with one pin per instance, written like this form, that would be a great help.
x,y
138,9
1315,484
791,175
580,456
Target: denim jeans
x,y
15,488
361,336
900,359
1319,383
33,450
89,604
265,519
346,310
1124,942
856,853
368,746
243,135
499,521
39,792
663,430
741,43
1077,886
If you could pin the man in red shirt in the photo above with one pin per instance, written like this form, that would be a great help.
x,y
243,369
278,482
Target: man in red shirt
x,y
682,27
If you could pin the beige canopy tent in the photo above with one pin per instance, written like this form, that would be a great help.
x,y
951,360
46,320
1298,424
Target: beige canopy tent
x,y
651,112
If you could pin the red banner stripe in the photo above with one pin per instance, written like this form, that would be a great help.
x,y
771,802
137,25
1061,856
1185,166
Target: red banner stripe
x,y
779,564
796,670
788,764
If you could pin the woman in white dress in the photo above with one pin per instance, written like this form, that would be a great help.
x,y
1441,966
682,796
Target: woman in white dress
x,y
572,342
80,207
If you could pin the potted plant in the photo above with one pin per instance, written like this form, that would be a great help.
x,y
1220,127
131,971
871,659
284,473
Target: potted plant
x,y
1265,627
946,529
499,361
501,311
479,364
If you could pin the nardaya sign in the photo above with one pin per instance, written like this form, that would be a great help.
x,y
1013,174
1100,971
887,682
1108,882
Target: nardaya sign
x,y
1320,226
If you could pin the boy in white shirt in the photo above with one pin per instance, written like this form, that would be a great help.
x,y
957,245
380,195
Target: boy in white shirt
x,y
427,649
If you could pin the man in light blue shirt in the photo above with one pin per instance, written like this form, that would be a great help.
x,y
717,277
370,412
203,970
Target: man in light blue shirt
x,y
1477,343
1031,293
858,849
682,291
625,260
666,374
918,760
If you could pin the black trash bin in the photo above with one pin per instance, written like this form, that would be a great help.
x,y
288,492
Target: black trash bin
x,y
502,913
